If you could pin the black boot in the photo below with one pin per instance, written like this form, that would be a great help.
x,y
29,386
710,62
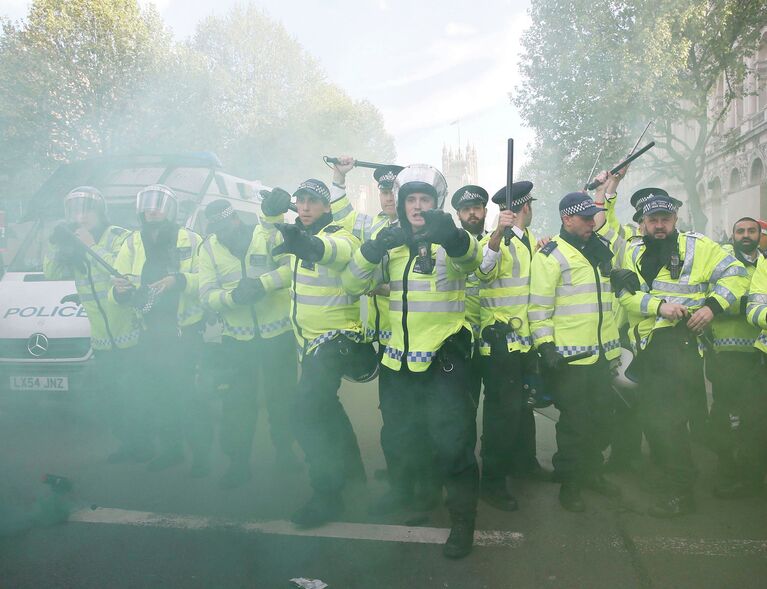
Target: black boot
x,y
570,497
319,510
461,539
601,485
673,506
497,495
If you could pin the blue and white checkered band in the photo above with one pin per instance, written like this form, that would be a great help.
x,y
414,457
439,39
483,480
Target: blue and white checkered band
x,y
387,178
317,188
225,214
659,206
577,208
470,196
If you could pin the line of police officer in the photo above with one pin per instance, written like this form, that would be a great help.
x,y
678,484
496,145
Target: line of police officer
x,y
448,306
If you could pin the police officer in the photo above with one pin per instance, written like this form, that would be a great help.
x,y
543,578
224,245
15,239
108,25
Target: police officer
x,y
377,326
674,286
470,203
524,463
752,446
730,371
570,313
160,266
504,292
114,329
426,363
326,324
247,288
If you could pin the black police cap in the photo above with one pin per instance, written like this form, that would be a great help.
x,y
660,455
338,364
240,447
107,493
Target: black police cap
x,y
469,195
520,194
385,176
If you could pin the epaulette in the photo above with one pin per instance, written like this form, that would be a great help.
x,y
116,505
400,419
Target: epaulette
x,y
694,234
115,230
332,228
549,247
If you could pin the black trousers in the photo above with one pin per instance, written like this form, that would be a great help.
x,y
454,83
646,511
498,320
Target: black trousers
x,y
502,418
122,407
429,421
322,427
584,398
671,378
739,412
251,368
172,403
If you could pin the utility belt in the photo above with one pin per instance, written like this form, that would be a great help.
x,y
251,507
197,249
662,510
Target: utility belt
x,y
357,360
456,349
497,336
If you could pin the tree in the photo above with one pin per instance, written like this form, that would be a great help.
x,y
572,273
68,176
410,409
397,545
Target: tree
x,y
82,78
594,72
280,113
68,75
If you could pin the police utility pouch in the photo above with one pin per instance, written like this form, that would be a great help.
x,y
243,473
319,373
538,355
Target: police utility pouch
x,y
456,348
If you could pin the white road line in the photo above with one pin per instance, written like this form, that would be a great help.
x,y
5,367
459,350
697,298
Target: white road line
x,y
416,535
349,531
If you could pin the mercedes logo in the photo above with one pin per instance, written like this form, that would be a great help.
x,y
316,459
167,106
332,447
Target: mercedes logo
x,y
37,344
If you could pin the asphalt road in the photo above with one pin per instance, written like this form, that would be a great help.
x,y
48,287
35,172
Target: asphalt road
x,y
132,528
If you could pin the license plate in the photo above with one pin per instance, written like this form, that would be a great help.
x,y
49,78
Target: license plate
x,y
39,383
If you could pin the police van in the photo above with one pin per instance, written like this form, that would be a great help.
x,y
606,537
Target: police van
x,y
44,332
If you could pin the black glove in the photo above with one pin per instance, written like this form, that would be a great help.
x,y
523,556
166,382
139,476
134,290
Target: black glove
x,y
552,360
624,280
63,235
300,243
441,229
275,202
386,239
248,291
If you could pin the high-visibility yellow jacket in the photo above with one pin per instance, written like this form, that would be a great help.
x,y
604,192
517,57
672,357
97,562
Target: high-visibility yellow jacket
x,y
364,227
221,272
109,322
130,262
732,332
473,304
615,232
424,309
757,303
571,304
505,290
320,307
707,271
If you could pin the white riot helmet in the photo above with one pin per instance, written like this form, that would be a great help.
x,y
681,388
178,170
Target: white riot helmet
x,y
623,379
83,200
420,178
158,198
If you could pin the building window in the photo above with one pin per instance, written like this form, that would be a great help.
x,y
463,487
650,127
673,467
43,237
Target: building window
x,y
734,180
761,75
757,171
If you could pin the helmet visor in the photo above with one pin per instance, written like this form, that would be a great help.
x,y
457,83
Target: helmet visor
x,y
79,204
157,202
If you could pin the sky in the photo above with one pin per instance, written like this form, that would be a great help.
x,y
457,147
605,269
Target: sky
x,y
424,64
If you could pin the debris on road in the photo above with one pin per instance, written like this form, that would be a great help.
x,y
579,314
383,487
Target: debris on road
x,y
309,583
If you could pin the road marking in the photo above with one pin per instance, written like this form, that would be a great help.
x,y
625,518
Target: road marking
x,y
417,535
348,531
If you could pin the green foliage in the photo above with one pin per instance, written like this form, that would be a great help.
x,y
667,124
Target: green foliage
x,y
80,78
595,71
